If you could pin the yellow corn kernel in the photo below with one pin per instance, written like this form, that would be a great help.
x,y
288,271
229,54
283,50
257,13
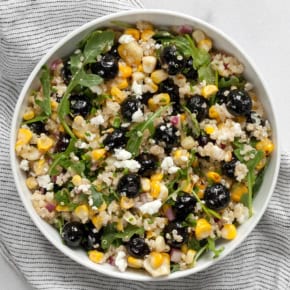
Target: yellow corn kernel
x,y
237,191
31,183
134,263
96,256
97,221
145,184
184,248
98,154
134,32
214,176
103,207
131,53
28,115
182,117
60,208
201,189
126,202
209,129
155,188
150,234
178,153
209,90
152,87
206,44
125,71
44,143
156,259
159,76
120,226
189,258
54,105
186,186
203,229
24,136
79,134
140,68
265,145
40,167
156,177
147,34
118,95
82,212
156,101
76,180
60,128
54,116
213,113
122,83
229,232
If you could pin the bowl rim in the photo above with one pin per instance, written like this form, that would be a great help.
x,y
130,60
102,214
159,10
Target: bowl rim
x,y
62,42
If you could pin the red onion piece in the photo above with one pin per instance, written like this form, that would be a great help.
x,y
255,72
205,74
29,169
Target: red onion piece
x,y
50,207
185,29
175,255
111,261
55,64
170,214
174,120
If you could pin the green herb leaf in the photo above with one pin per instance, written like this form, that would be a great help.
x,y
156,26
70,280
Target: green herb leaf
x,y
193,244
117,122
89,80
45,83
136,133
195,124
97,197
211,246
78,167
232,81
206,73
36,119
62,197
174,267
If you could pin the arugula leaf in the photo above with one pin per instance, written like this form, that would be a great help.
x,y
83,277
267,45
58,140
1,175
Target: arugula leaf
x,y
259,180
61,158
136,133
195,128
111,235
98,42
79,167
193,244
209,212
117,122
45,83
211,246
174,267
206,73
232,81
62,197
36,119
97,197
59,223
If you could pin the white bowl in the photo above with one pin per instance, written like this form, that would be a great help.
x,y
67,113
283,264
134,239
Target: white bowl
x,y
158,17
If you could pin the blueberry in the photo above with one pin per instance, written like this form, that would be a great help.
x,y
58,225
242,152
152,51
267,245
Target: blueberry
x,y
203,140
129,185
145,98
80,105
222,96
37,127
137,247
199,105
216,196
254,118
92,237
228,168
62,143
183,206
173,59
166,136
175,234
148,164
116,139
107,67
172,89
72,234
239,103
114,52
66,72
189,70
129,107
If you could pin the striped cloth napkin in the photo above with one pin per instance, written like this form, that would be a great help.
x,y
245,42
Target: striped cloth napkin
x,y
27,30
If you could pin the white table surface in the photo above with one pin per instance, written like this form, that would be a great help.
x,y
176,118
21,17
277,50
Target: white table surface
x,y
261,27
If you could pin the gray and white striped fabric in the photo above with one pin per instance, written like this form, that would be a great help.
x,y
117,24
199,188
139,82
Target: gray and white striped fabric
x,y
27,30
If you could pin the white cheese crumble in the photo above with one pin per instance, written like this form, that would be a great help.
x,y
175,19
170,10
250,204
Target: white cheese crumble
x,y
84,188
241,171
126,38
96,89
81,145
98,120
24,165
121,261
138,116
122,154
168,165
132,165
45,182
151,207
137,88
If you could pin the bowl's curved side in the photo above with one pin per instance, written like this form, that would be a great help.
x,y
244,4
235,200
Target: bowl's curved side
x,y
158,17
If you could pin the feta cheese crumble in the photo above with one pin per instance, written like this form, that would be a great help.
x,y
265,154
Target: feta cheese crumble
x,y
122,154
126,38
121,261
168,165
132,165
45,182
138,116
151,207
98,120
24,165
